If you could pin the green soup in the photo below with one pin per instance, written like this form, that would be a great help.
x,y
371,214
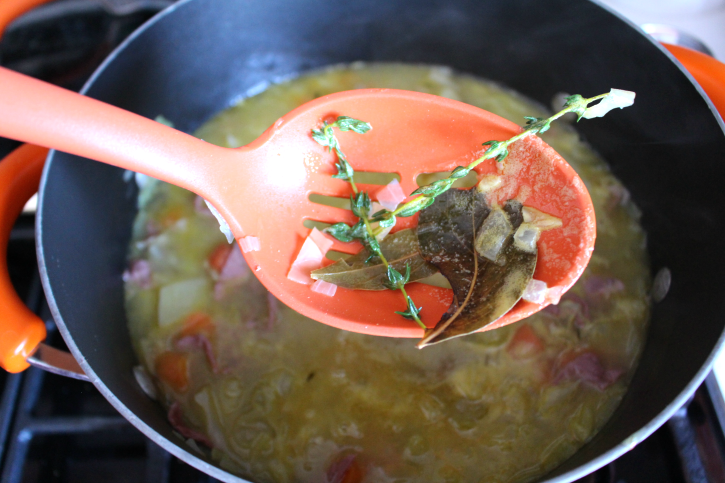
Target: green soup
x,y
276,397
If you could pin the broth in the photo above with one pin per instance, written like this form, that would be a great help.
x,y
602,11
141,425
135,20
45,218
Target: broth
x,y
279,398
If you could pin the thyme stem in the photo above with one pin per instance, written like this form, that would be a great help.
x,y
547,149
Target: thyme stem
x,y
496,151
361,204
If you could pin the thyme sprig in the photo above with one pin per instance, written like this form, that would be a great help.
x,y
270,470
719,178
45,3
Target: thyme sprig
x,y
425,195
361,205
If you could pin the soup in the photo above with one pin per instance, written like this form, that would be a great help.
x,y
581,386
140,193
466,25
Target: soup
x,y
275,397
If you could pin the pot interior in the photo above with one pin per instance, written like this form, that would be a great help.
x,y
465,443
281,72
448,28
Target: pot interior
x,y
200,56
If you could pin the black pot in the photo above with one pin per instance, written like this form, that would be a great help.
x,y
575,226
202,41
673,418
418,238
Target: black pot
x,y
199,56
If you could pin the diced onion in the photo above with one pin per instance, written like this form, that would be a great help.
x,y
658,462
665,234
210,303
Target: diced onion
x,y
325,288
178,299
391,195
535,291
492,235
615,98
489,183
309,258
526,237
542,221
223,225
144,381
249,244
322,242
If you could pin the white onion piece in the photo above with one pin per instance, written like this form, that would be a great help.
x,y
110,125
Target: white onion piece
x,y
526,237
249,244
322,242
325,288
489,183
615,98
391,195
223,225
143,378
535,291
542,221
383,233
309,258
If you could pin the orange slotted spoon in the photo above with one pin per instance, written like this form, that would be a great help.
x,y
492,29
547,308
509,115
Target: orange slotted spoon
x,y
263,189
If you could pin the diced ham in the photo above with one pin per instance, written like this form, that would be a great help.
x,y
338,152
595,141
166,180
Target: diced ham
x,y
588,368
176,419
325,288
309,258
321,240
602,286
234,271
199,342
249,244
391,195
571,305
235,266
139,274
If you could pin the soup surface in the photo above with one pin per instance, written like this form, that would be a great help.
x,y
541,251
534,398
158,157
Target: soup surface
x,y
276,397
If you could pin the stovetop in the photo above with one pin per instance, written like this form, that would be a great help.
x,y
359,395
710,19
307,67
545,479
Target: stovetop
x,y
54,429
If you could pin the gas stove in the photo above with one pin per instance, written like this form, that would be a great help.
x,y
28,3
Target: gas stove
x,y
54,429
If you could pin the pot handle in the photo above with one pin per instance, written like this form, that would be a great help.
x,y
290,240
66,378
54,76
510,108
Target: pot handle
x,y
707,71
22,331
12,9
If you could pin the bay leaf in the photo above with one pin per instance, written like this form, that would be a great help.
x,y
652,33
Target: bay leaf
x,y
399,248
483,290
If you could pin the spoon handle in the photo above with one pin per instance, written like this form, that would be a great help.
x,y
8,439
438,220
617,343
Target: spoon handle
x,y
40,113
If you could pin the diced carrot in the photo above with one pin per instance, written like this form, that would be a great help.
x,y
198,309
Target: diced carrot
x,y
354,474
171,216
173,369
219,256
525,343
197,323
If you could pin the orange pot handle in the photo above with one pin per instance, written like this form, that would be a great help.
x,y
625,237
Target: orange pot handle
x,y
707,71
21,331
12,9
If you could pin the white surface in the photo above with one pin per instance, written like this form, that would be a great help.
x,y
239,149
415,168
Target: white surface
x,y
702,19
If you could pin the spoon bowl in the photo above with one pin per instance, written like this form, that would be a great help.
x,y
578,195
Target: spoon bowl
x,y
263,189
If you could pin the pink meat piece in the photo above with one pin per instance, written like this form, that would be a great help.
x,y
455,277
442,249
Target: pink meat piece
x,y
199,342
235,267
234,271
570,302
337,470
323,242
588,368
176,419
603,286
201,208
309,258
139,273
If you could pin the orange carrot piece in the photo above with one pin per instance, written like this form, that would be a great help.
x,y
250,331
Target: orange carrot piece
x,y
525,343
197,323
173,369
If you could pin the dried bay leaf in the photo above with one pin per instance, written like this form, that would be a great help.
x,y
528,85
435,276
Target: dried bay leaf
x,y
399,249
483,290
